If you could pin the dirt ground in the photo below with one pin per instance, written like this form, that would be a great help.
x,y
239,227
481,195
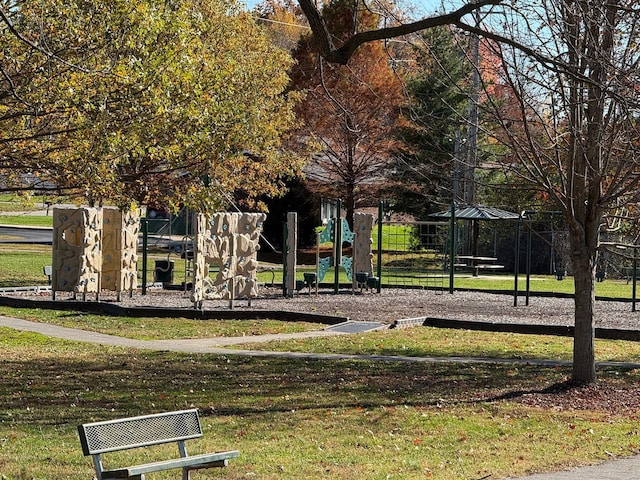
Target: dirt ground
x,y
396,304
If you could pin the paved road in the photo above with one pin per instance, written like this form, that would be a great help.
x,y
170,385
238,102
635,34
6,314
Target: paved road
x,y
44,236
622,469
32,235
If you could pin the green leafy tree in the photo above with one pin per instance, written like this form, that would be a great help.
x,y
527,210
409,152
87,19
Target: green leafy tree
x,y
127,102
437,87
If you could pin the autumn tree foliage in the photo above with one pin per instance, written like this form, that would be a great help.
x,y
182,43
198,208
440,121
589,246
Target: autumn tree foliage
x,y
432,162
125,102
502,182
283,21
348,112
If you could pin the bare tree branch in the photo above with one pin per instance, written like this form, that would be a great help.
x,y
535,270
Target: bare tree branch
x,y
342,54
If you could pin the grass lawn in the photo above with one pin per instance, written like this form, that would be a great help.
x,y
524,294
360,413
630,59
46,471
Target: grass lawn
x,y
295,418
411,342
15,203
158,328
26,220
21,265
442,342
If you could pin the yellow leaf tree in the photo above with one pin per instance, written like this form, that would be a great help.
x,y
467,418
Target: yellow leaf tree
x,y
177,102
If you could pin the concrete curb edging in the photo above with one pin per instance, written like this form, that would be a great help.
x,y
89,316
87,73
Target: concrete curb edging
x,y
531,329
227,314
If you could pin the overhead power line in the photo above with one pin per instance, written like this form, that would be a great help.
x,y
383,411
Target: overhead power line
x,y
297,25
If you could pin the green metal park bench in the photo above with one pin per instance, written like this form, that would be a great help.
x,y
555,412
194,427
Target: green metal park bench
x,y
126,433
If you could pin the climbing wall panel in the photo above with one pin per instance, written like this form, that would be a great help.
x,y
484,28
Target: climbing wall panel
x,y
362,252
229,241
119,249
77,253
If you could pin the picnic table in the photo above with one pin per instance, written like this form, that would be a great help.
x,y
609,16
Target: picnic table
x,y
477,263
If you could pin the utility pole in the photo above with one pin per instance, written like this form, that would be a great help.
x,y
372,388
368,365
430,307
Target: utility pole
x,y
470,156
458,170
472,130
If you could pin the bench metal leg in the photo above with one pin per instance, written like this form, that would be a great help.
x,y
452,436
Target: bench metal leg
x,y
219,464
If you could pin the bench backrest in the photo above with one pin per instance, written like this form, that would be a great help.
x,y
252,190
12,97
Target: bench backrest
x,y
124,433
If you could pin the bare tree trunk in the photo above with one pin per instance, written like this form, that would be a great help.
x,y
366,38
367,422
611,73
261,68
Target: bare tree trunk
x,y
350,203
584,262
581,147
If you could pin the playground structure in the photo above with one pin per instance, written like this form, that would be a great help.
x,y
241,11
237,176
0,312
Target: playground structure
x,y
358,267
94,249
409,253
229,241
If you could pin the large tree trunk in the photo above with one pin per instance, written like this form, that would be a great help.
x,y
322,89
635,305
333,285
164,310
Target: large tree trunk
x,y
583,241
584,370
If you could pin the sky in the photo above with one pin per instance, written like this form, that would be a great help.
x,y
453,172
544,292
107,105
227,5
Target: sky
x,y
422,8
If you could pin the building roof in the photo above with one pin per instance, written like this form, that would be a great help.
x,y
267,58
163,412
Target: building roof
x,y
478,212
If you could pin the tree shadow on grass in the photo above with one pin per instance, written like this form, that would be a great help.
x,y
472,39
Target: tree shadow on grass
x,y
97,382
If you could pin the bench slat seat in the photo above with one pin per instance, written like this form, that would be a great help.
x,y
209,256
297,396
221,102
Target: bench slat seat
x,y
194,462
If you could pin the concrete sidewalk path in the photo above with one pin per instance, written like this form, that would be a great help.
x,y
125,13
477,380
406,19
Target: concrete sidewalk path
x,y
217,345
202,345
620,469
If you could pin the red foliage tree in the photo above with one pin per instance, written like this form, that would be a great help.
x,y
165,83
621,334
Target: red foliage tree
x,y
348,112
